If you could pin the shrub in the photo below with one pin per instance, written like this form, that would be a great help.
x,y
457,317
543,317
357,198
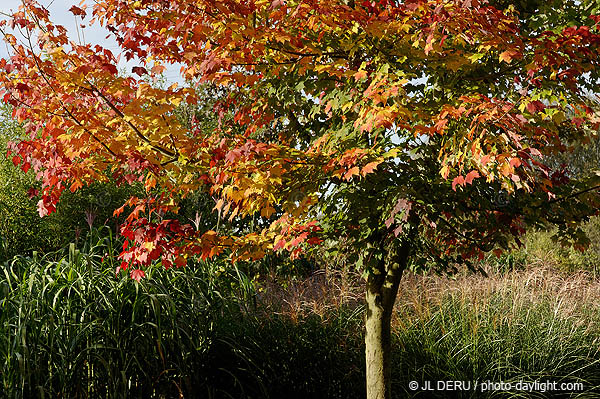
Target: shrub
x,y
22,230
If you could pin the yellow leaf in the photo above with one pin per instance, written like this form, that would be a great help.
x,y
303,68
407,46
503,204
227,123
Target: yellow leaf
x,y
267,212
149,246
150,182
508,55
475,57
445,171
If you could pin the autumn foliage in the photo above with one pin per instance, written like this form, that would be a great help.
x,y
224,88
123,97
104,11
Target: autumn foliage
x,y
406,134
389,118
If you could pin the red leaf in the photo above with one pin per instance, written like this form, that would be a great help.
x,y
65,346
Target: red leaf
x,y
280,244
78,11
123,266
535,106
388,222
141,71
180,261
314,241
398,230
535,152
470,176
137,274
110,68
32,192
21,87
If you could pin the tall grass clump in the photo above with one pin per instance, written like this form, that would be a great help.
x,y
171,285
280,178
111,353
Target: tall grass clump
x,y
537,325
71,328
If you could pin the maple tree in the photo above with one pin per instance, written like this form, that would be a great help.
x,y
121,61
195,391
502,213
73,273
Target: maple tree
x,y
419,131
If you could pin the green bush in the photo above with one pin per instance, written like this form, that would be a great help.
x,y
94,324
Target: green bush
x,y
22,230
540,249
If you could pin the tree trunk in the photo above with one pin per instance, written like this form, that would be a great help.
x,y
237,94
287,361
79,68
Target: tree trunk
x,y
382,288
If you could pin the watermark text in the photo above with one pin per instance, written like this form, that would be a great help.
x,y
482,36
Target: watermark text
x,y
487,386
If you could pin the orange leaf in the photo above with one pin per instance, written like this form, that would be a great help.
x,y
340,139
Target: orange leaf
x,y
351,172
360,75
76,185
508,55
117,212
158,69
219,205
370,167
458,180
470,176
506,169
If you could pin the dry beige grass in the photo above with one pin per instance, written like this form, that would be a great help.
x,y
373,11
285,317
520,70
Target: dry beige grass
x,y
571,294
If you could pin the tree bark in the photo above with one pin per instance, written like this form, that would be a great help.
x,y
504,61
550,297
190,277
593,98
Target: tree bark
x,y
382,288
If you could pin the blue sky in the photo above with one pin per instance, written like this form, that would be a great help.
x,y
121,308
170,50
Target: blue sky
x,y
59,14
